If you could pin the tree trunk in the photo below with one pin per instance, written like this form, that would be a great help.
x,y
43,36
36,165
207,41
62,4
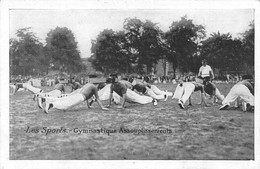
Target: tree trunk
x,y
174,71
164,67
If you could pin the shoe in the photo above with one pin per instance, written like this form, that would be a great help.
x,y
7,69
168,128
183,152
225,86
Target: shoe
x,y
165,97
39,102
47,108
92,101
172,95
180,103
113,100
154,102
223,107
249,108
17,87
34,96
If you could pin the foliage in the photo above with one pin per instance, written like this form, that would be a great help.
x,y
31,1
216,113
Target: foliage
x,y
248,44
127,51
108,52
26,53
183,38
61,47
222,52
135,49
143,43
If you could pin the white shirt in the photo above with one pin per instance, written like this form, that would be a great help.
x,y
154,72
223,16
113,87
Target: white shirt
x,y
205,71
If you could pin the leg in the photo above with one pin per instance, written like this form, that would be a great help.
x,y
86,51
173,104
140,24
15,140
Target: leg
x,y
132,96
157,91
188,90
178,92
218,95
30,88
64,103
236,92
153,95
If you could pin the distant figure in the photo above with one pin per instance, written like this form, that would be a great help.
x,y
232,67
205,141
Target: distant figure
x,y
205,71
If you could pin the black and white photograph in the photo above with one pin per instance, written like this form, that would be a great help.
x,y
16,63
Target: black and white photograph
x,y
100,80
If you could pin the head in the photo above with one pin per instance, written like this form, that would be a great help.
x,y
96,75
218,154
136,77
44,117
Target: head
x,y
56,81
179,81
204,62
114,78
131,79
248,77
146,79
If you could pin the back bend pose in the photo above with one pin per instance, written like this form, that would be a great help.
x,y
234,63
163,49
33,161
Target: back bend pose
x,y
185,90
243,90
126,94
64,103
213,92
75,85
59,89
154,88
104,93
28,87
146,90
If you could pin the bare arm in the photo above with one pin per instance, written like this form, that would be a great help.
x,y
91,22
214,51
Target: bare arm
x,y
109,100
190,101
203,97
123,101
199,74
211,74
214,97
99,102
110,96
88,104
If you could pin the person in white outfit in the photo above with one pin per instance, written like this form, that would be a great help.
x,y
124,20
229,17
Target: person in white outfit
x,y
64,103
127,94
244,91
28,87
213,92
59,89
104,92
184,91
146,90
154,88
205,71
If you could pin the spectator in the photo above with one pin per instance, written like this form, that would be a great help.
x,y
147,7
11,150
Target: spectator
x,y
205,71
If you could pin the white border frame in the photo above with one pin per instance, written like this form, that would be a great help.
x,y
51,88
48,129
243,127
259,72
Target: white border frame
x,y
117,4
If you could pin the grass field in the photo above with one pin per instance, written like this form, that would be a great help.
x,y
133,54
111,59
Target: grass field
x,y
198,133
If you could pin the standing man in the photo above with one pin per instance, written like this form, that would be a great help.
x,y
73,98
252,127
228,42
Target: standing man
x,y
205,71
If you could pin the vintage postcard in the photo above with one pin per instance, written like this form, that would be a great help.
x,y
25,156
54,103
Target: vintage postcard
x,y
136,84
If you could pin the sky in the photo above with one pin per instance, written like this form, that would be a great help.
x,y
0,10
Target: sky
x,y
86,24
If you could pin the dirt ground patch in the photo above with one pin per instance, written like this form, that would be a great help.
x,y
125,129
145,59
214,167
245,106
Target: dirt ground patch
x,y
197,133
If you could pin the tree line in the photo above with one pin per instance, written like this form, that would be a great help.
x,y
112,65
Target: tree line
x,y
135,49
28,56
141,44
